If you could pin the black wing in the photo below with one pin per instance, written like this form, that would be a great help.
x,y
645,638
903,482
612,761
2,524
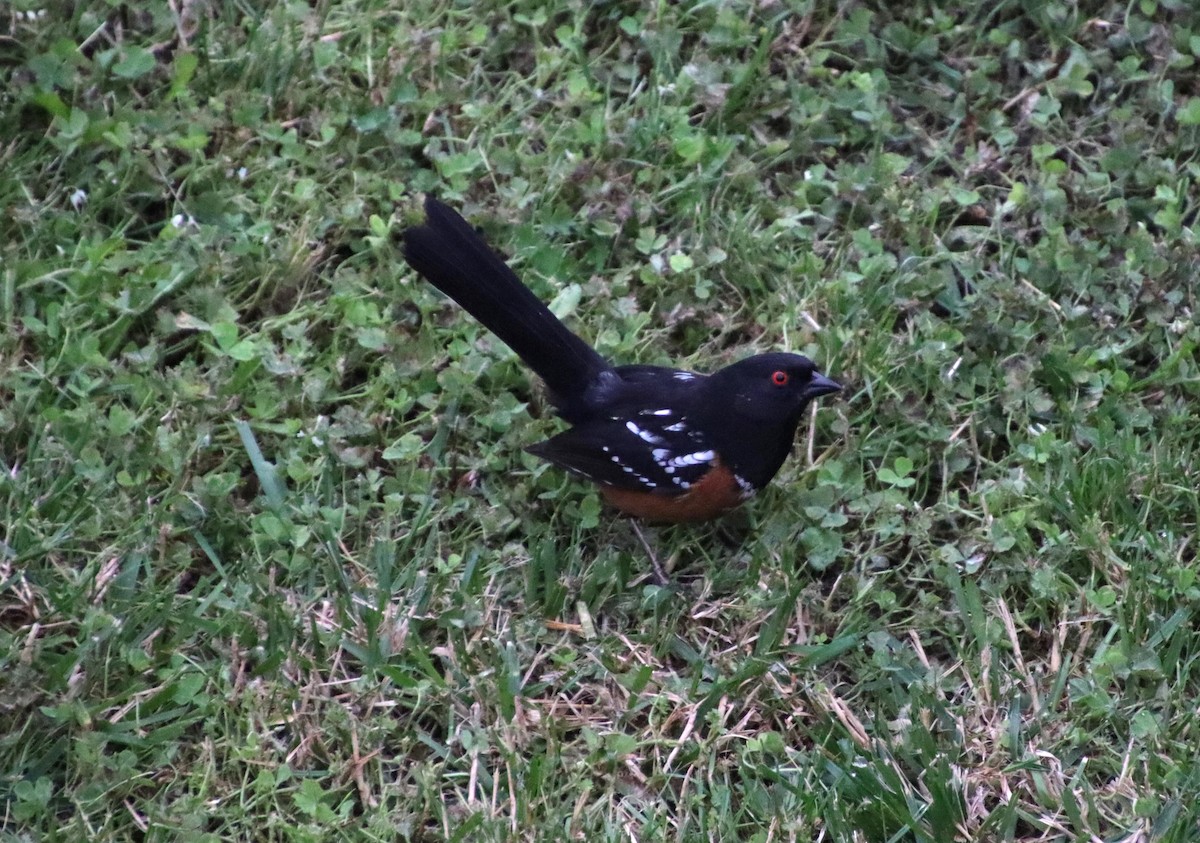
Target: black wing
x,y
654,450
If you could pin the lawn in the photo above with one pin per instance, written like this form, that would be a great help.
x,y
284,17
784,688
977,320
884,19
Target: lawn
x,y
274,564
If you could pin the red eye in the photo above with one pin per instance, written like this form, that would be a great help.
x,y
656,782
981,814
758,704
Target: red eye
x,y
779,378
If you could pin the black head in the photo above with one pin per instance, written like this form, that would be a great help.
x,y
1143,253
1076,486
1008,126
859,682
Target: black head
x,y
757,403
772,386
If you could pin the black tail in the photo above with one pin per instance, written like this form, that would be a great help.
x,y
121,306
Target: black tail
x,y
460,263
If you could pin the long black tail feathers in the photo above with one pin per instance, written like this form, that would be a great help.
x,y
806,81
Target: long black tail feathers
x,y
449,254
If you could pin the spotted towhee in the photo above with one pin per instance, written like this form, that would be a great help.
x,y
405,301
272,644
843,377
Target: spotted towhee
x,y
662,444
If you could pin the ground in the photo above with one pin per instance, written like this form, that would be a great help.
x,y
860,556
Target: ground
x,y
275,566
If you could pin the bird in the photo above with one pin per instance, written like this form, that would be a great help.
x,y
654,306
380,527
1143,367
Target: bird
x,y
664,445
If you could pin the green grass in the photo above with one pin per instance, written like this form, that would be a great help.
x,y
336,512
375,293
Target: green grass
x,y
273,565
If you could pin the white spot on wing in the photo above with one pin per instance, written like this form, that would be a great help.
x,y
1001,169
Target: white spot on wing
x,y
644,435
698,458
684,376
